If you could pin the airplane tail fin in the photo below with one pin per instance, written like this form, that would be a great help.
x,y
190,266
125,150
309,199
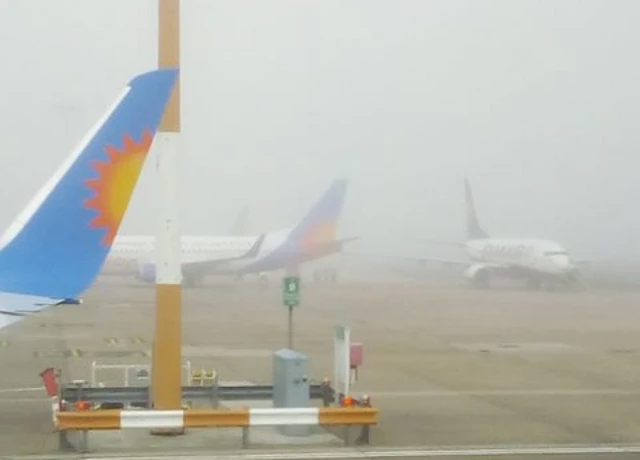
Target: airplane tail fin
x,y
59,242
474,230
240,225
320,224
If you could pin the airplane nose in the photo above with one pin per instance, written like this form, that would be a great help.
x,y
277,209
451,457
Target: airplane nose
x,y
566,267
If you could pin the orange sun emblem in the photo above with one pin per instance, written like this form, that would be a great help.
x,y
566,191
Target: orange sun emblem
x,y
114,186
322,233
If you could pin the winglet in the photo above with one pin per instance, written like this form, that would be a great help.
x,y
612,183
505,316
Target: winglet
x,y
255,247
58,243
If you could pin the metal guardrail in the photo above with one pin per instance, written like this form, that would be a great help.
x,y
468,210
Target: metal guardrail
x,y
140,395
85,421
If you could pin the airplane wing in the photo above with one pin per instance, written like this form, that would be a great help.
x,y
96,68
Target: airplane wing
x,y
455,244
417,259
210,265
582,261
53,251
15,307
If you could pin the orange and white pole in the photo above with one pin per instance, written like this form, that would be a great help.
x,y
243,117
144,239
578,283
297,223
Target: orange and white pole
x,y
167,345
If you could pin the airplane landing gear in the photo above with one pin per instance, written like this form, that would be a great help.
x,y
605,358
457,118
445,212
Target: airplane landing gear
x,y
481,280
326,275
534,283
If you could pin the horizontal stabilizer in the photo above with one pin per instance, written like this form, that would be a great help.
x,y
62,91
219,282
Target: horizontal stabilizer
x,y
455,244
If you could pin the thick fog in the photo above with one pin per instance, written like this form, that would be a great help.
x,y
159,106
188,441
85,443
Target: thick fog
x,y
536,102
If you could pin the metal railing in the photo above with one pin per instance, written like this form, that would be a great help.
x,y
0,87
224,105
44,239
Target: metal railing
x,y
140,395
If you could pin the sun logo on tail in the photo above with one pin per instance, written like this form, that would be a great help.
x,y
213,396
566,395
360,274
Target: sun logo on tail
x,y
324,232
117,177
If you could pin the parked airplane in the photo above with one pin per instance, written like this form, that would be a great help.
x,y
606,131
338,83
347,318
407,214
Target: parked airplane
x,y
54,249
313,238
540,262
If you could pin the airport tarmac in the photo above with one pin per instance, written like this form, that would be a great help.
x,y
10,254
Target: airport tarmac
x,y
446,366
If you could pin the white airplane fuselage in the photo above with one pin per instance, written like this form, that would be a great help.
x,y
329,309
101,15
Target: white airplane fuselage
x,y
130,253
541,262
312,238
518,257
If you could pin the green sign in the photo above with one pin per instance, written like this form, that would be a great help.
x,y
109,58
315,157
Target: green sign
x,y
291,291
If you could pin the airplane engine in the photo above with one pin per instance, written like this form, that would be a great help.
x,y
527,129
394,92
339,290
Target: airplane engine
x,y
478,275
147,272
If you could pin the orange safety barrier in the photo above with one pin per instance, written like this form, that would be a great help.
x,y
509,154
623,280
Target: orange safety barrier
x,y
91,420
205,418
347,416
216,418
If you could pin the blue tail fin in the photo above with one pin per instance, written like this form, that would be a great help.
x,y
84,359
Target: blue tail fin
x,y
320,225
59,242
474,230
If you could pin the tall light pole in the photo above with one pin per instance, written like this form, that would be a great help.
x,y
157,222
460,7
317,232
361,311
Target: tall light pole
x,y
167,344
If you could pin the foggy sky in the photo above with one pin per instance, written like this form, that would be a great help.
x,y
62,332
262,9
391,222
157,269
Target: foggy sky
x,y
536,102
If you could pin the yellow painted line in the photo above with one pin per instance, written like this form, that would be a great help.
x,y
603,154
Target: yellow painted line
x,y
76,353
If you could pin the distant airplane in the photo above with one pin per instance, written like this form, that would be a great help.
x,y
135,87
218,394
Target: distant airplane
x,y
54,249
313,238
540,262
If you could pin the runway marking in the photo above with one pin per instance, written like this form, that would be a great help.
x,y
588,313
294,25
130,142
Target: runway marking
x,y
121,341
72,353
79,353
409,452
20,390
38,400
533,392
67,325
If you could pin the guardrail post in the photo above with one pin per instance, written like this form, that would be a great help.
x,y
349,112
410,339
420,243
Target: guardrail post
x,y
83,447
245,437
63,442
215,390
364,435
347,435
